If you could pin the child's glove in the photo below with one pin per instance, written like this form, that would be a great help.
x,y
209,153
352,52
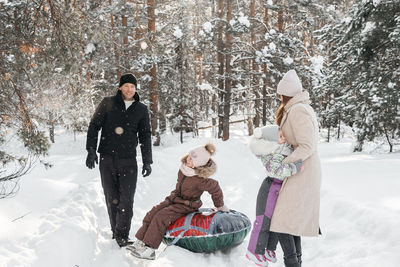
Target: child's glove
x,y
297,166
223,209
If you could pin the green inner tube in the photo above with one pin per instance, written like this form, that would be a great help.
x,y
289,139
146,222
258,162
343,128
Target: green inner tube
x,y
207,244
226,230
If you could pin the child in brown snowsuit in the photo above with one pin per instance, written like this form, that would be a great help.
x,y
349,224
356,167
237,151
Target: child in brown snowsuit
x,y
193,180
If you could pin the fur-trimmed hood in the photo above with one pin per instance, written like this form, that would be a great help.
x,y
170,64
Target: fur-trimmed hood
x,y
204,171
207,170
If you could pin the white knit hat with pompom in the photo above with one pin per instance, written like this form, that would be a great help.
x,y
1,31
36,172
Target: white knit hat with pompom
x,y
202,154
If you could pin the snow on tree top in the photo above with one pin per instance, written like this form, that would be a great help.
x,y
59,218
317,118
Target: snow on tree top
x,y
300,34
272,46
369,26
207,26
205,86
143,45
376,2
178,32
331,8
317,63
346,20
90,48
244,20
288,60
10,58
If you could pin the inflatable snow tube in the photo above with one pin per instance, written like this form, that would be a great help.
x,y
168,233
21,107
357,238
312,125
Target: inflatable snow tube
x,y
207,231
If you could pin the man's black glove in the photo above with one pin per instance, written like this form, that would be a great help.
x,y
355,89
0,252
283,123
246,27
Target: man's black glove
x,y
91,158
146,170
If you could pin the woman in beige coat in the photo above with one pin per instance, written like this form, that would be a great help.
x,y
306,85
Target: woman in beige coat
x,y
297,208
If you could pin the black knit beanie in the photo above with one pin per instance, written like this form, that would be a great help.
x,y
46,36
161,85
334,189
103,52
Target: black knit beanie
x,y
127,78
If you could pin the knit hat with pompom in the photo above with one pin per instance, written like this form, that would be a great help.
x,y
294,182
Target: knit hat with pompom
x,y
202,154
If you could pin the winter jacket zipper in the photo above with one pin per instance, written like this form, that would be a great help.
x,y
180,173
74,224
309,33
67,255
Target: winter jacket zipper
x,y
180,186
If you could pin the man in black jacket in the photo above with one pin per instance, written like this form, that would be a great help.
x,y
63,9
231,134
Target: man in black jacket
x,y
121,118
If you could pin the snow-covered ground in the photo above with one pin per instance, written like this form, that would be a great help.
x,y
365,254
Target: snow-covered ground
x,y
63,220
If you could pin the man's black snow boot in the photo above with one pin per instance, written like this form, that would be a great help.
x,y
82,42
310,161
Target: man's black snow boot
x,y
123,242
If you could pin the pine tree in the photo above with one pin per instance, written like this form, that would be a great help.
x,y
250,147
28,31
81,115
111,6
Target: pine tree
x,y
365,69
17,120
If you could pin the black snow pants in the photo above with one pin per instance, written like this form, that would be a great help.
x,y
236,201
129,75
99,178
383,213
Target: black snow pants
x,y
118,178
291,246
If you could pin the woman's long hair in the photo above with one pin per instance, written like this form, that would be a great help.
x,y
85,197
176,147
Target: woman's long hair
x,y
281,109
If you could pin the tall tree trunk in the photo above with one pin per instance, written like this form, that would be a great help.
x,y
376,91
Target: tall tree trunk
x,y
151,6
359,144
280,19
88,76
125,41
254,66
264,96
140,44
214,98
138,32
311,47
162,120
228,75
180,82
116,53
329,133
138,29
220,60
51,126
154,103
265,80
214,108
389,141
250,125
200,59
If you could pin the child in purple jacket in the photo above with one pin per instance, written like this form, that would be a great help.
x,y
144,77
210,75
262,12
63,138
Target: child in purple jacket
x,y
270,145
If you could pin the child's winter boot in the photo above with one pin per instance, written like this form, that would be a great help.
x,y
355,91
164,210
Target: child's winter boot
x,y
145,252
258,259
270,255
138,244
